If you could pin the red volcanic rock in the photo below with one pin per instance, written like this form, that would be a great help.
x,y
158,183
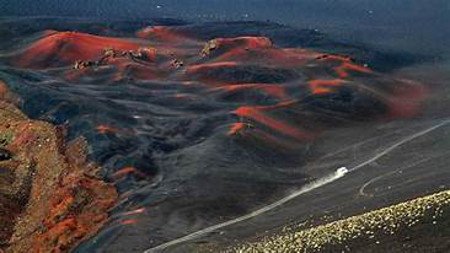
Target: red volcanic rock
x,y
324,86
164,34
226,44
198,68
6,95
258,115
64,48
128,171
50,197
344,69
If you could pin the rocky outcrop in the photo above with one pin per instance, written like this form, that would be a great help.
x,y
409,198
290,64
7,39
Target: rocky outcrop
x,y
50,197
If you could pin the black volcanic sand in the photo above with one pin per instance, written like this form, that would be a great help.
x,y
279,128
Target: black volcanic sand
x,y
187,149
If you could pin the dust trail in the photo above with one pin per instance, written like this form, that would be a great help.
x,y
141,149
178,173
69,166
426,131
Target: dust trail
x,y
309,187
399,143
339,173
